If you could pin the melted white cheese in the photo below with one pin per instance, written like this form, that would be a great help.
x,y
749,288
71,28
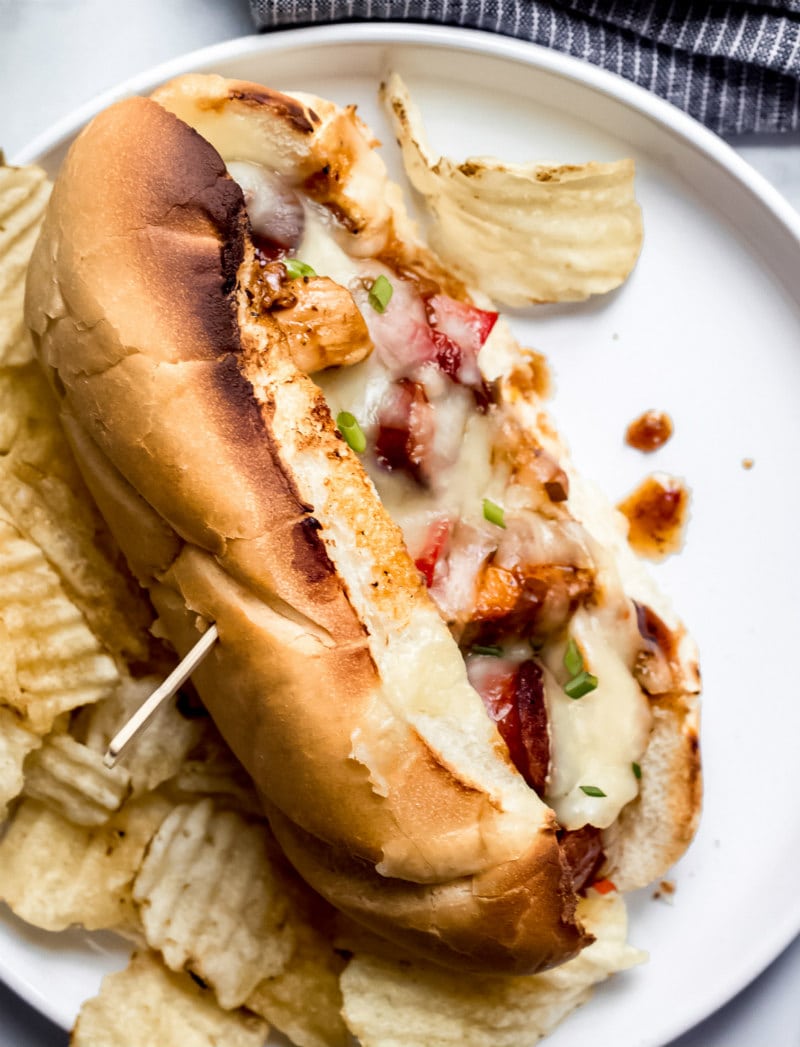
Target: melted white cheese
x,y
595,740
319,249
456,492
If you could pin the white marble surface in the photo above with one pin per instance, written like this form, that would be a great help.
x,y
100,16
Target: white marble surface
x,y
57,54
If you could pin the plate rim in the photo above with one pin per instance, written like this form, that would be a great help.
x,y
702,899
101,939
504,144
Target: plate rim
x,y
36,997
668,117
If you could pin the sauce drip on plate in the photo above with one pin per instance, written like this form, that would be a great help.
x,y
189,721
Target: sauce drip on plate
x,y
649,431
657,512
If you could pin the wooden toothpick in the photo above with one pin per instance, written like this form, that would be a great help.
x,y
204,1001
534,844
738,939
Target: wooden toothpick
x,y
179,675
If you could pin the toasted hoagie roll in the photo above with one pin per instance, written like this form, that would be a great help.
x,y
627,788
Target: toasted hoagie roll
x,y
395,620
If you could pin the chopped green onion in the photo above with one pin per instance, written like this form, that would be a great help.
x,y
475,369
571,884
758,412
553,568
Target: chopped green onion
x,y
351,431
580,685
380,294
295,269
493,513
573,659
495,652
591,790
637,770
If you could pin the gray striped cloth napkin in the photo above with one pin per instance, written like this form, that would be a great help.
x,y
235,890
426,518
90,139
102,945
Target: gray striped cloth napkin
x,y
733,66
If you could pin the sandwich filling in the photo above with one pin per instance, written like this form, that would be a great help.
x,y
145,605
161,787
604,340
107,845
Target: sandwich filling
x,y
550,641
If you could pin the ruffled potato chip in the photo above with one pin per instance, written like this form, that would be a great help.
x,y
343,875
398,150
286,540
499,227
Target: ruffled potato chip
x,y
311,972
24,192
146,1004
211,769
59,663
304,1000
43,495
210,902
72,780
16,741
391,1003
160,751
54,874
522,233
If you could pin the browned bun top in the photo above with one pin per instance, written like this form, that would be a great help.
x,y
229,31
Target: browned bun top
x,y
219,469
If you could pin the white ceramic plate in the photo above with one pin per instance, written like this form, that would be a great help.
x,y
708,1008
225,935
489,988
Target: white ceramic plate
x,y
707,328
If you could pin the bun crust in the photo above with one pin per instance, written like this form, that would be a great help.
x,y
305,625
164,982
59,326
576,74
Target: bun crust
x,y
220,471
438,924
